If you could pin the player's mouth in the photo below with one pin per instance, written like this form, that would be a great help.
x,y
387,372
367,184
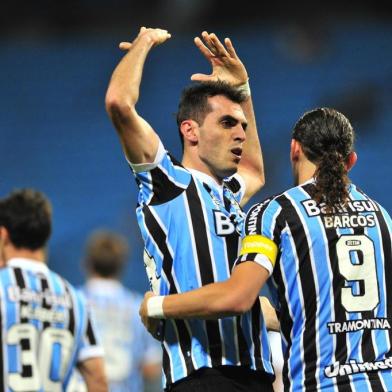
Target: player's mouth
x,y
237,152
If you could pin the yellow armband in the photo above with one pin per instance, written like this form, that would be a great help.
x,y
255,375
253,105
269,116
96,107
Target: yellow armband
x,y
259,244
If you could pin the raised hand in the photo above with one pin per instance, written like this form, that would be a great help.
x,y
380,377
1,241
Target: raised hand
x,y
226,65
155,36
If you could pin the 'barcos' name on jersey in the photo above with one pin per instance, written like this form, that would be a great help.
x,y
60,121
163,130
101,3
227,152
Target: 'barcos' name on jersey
x,y
343,216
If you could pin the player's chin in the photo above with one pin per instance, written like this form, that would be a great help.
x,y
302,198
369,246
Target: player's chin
x,y
237,160
230,171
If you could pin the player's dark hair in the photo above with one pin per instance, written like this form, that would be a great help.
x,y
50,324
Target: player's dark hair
x,y
194,101
27,216
106,253
327,139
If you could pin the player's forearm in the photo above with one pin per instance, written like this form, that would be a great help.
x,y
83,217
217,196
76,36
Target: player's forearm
x,y
252,165
138,139
123,91
252,148
97,385
229,298
209,302
93,373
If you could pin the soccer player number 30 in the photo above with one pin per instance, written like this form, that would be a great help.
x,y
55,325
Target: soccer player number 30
x,y
34,374
357,263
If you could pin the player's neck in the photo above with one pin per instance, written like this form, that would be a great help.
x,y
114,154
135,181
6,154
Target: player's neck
x,y
95,277
306,171
38,255
189,164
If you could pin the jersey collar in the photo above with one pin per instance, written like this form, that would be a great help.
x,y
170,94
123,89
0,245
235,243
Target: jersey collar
x,y
28,264
106,285
206,179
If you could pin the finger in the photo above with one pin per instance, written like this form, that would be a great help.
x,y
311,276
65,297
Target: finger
x,y
203,48
152,326
125,45
221,50
208,42
142,310
149,294
164,35
198,77
205,34
230,48
155,329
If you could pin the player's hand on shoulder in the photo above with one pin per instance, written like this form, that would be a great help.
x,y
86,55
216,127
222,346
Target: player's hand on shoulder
x,y
226,65
154,36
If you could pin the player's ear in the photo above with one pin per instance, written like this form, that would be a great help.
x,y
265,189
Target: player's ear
x,y
295,150
4,236
189,129
4,239
351,160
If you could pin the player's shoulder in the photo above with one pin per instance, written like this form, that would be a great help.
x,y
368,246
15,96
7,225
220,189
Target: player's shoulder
x,y
67,286
166,160
377,206
269,202
302,191
5,271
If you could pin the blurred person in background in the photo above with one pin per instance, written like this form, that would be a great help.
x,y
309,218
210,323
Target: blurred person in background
x,y
132,357
45,327
190,213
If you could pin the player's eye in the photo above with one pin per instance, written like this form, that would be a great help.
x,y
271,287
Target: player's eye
x,y
229,122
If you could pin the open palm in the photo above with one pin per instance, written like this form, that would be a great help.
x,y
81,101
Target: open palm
x,y
226,65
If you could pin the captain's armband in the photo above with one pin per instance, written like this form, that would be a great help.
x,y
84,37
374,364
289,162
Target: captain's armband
x,y
259,244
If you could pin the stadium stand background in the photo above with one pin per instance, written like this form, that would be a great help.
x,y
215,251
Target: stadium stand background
x,y
56,60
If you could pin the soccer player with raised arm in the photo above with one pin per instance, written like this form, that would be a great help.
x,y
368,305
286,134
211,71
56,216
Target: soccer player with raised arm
x,y
189,212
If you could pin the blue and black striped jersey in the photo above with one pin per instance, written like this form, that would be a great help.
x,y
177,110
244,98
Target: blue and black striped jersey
x,y
45,328
191,229
331,276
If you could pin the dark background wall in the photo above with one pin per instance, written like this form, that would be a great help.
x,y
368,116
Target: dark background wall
x,y
56,61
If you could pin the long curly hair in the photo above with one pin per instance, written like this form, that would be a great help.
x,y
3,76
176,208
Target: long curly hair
x,y
327,139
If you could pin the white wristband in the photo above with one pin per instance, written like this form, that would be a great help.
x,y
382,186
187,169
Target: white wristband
x,y
244,88
155,307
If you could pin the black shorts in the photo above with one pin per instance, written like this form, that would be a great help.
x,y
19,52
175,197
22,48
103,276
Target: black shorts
x,y
224,379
